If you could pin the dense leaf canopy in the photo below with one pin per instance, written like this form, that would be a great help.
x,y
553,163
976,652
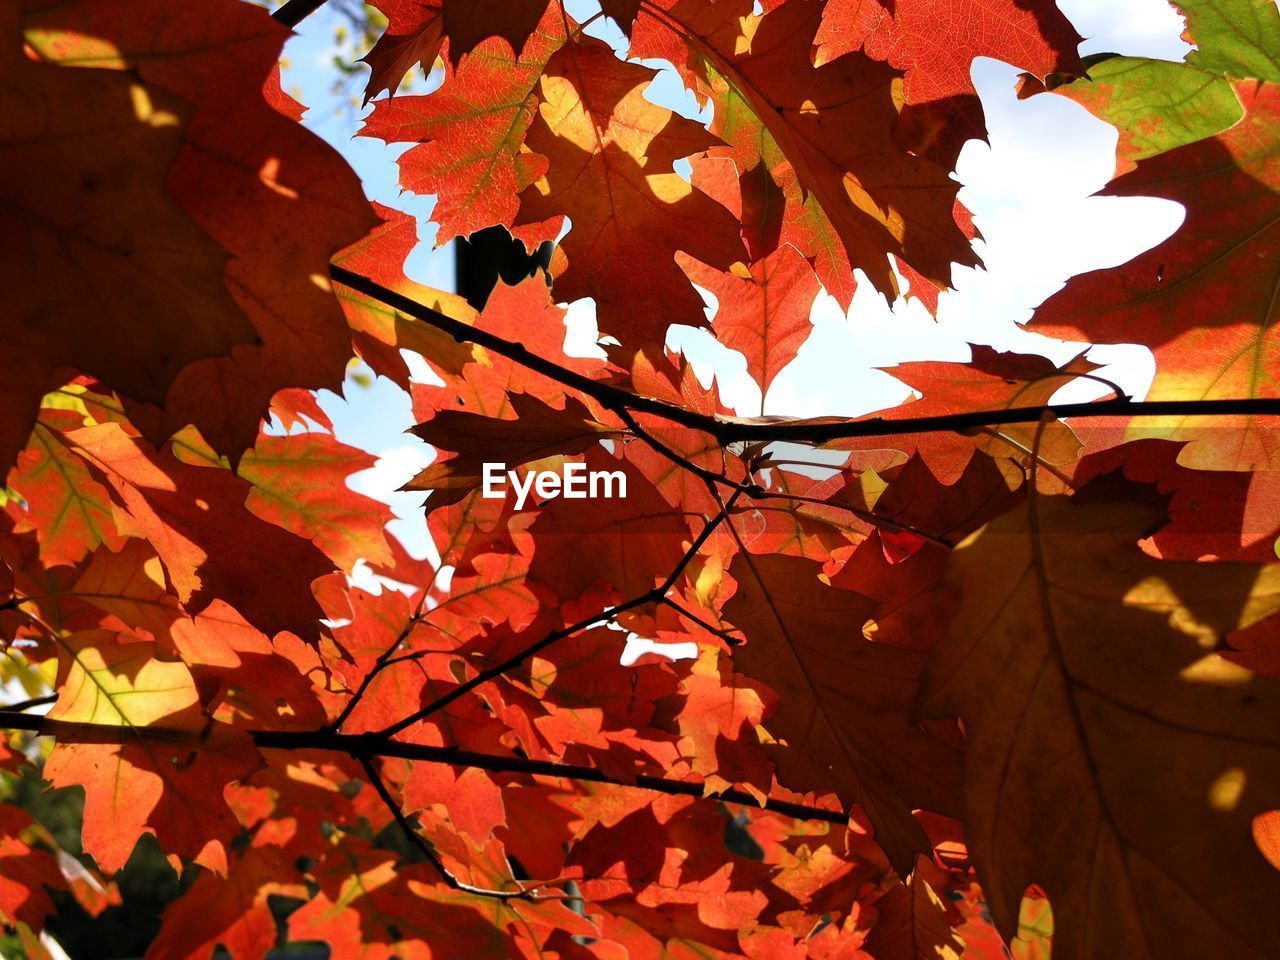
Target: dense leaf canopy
x,y
1006,678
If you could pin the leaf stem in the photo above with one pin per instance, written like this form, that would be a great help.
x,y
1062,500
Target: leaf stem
x,y
420,842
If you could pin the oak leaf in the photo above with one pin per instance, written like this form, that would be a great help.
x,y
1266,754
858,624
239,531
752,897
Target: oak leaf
x,y
194,518
943,108
169,787
413,36
245,173
825,136
762,309
844,702
469,135
96,258
1203,299
1123,760
610,153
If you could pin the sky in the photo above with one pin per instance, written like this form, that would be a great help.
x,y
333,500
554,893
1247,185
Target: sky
x,y
1030,191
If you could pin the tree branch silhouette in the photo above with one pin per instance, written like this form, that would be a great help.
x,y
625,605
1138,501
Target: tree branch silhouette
x,y
609,613
361,745
293,12
728,430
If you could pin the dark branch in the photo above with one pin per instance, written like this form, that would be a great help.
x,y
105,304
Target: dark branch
x,y
726,635
492,673
385,659
819,430
293,12
362,745
22,705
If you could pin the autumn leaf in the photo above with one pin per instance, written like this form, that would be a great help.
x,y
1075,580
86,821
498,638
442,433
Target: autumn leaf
x,y
967,689
97,261
627,543
414,35
169,503
763,309
378,331
1237,38
27,872
943,108
1129,759
916,920
234,912
469,135
1155,105
1201,300
844,701
825,135
610,154
990,380
172,789
287,490
241,172
467,24
69,510
536,432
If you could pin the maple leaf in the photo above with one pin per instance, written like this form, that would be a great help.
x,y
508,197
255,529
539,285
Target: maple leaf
x,y
243,173
1031,34
845,702
920,509
1131,759
610,171
1203,299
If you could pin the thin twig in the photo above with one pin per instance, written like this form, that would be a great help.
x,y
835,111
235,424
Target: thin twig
x,y
383,661
492,673
708,476
426,849
22,705
725,635
609,613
